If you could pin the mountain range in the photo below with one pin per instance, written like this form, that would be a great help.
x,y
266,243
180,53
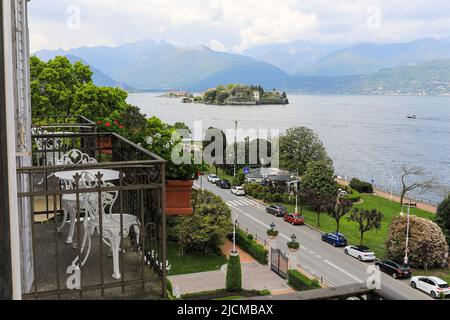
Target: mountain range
x,y
415,67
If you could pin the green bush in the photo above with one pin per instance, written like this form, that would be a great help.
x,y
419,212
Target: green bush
x,y
234,274
169,287
361,186
265,292
354,196
277,197
300,282
253,248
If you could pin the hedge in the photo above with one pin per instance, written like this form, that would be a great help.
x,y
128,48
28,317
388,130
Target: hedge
x,y
253,248
354,196
361,186
234,274
300,282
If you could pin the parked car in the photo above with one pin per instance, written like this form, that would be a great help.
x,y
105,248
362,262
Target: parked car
x,y
224,184
362,253
335,239
433,286
238,191
213,178
294,219
277,210
394,269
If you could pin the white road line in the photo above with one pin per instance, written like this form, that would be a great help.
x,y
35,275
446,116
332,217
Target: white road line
x,y
311,252
231,204
343,271
318,256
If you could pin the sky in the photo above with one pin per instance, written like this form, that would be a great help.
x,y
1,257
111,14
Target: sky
x,y
233,25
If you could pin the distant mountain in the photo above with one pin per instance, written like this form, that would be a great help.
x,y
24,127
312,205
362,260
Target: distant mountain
x,y
430,78
291,57
99,78
367,58
150,65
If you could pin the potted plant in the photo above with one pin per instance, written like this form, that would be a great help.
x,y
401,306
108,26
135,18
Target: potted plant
x,y
110,124
162,140
293,245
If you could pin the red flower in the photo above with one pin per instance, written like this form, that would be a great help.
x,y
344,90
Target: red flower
x,y
121,127
108,124
99,122
116,122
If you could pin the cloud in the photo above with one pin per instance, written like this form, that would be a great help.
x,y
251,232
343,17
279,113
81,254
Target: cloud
x,y
217,45
237,24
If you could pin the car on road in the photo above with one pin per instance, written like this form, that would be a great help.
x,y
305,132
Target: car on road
x,y
335,239
433,286
213,178
238,191
295,219
396,270
277,210
223,184
362,253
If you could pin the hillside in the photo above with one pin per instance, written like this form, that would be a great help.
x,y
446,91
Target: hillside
x,y
430,78
150,65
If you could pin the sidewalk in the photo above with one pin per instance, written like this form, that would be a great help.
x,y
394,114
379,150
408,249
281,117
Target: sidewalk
x,y
396,198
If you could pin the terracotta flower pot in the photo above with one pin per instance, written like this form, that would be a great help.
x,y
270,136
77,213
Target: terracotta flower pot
x,y
105,142
178,197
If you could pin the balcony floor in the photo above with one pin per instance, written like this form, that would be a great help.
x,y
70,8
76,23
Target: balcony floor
x,y
51,268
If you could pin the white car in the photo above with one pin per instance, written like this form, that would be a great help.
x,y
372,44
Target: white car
x,y
433,286
213,178
238,191
361,253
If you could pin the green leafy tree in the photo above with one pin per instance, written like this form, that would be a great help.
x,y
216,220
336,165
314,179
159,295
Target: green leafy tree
x,y
298,147
443,217
367,220
337,209
96,102
234,274
208,227
318,185
54,85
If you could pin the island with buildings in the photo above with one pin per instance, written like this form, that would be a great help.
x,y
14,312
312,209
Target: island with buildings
x,y
239,94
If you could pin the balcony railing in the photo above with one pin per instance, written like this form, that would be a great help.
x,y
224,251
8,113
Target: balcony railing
x,y
93,215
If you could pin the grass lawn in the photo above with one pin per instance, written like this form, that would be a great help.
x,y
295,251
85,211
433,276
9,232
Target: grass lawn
x,y
192,262
444,274
373,239
221,173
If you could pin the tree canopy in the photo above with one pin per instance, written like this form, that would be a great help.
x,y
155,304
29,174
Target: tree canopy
x,y
59,87
298,147
443,217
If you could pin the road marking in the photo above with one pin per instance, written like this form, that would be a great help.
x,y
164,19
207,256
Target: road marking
x,y
311,252
343,271
318,256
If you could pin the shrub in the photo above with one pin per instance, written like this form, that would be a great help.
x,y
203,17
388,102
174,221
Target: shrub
x,y
286,198
272,233
300,282
293,245
234,274
354,196
443,217
361,186
277,197
253,248
169,288
265,292
250,237
427,244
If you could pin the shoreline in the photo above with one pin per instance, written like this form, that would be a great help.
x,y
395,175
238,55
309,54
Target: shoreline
x,y
396,198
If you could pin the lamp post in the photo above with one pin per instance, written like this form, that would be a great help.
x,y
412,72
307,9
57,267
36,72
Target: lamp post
x,y
406,258
235,146
391,183
234,235
272,226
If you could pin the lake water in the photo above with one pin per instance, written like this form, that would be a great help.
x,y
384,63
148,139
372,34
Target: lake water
x,y
368,137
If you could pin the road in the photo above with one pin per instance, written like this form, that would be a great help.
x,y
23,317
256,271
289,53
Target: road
x,y
315,256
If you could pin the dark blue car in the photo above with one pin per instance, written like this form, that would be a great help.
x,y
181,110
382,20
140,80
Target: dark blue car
x,y
335,239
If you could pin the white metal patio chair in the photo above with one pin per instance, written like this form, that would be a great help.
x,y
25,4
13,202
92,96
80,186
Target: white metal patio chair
x,y
110,223
69,201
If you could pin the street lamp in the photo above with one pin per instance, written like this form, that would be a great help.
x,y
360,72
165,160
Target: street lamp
x,y
234,236
235,146
406,258
294,238
272,226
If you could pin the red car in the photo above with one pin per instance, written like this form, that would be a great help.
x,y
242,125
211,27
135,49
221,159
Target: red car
x,y
294,218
